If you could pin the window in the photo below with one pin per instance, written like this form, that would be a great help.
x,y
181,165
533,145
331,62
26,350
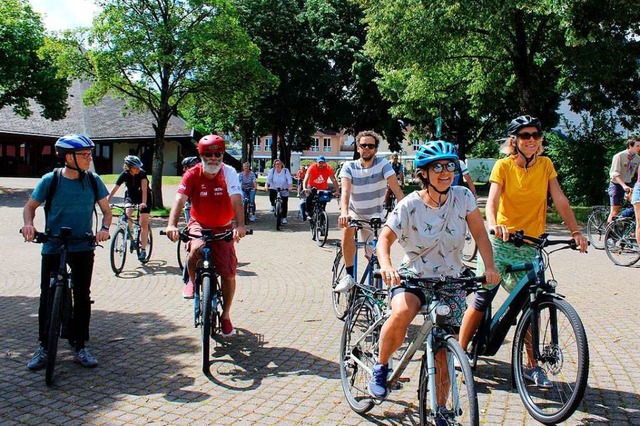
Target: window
x,y
315,145
256,145
416,144
326,144
267,143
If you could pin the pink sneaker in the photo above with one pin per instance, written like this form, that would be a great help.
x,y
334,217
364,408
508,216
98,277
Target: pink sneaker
x,y
187,292
227,328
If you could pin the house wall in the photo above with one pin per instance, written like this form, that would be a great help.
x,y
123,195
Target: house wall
x,y
171,150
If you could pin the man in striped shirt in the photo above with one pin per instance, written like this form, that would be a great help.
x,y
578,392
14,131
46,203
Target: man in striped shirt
x,y
364,183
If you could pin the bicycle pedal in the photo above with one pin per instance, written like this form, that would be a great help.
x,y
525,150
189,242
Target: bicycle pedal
x,y
397,385
404,379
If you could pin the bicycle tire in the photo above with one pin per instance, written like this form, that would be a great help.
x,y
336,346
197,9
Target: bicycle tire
x,y
247,210
620,242
470,248
207,322
340,301
118,252
354,378
461,406
55,321
596,227
149,246
565,362
181,254
278,215
218,306
312,225
322,229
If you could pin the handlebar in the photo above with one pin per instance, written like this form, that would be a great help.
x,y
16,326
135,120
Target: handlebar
x,y
207,235
64,236
519,238
375,223
470,284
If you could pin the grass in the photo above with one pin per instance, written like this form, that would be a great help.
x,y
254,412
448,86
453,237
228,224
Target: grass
x,y
166,180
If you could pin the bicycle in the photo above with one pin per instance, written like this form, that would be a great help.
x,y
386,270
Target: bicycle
x,y
248,208
341,300
549,333
470,249
208,301
390,204
277,209
60,309
319,220
131,234
597,225
620,241
359,347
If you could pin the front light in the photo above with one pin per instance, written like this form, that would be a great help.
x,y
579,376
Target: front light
x,y
552,283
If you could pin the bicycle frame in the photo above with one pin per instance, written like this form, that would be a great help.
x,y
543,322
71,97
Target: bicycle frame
x,y
373,261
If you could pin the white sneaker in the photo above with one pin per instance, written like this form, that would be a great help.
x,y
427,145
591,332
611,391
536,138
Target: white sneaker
x,y
252,218
345,284
284,221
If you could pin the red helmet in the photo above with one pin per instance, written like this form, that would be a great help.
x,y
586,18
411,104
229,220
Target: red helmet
x,y
210,143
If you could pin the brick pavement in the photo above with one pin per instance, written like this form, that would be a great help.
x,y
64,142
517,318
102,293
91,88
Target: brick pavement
x,y
281,368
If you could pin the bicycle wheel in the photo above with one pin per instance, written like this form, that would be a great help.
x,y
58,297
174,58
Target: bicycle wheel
x,y
620,242
358,353
247,210
55,320
278,214
322,228
149,246
207,322
470,249
312,225
564,355
217,304
340,300
460,404
596,227
118,251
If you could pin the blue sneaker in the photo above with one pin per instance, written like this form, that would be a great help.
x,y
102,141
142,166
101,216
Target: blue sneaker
x,y
378,384
39,359
84,358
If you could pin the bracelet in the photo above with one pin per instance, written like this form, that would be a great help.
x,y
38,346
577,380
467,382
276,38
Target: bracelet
x,y
574,233
105,228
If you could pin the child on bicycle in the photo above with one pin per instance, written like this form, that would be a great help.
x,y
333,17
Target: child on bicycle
x,y
72,205
520,184
138,192
430,225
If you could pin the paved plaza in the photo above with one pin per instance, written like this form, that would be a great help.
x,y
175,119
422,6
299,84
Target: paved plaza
x,y
282,367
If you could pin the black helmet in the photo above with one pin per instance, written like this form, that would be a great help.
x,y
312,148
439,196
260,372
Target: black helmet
x,y
133,161
189,162
523,121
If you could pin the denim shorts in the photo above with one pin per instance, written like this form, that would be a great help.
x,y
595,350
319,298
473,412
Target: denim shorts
x,y
635,196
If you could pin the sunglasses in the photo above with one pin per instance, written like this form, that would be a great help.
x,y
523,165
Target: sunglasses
x,y
85,155
526,135
368,145
439,167
217,154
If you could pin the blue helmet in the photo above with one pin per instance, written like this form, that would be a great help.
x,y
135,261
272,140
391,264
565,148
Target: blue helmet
x,y
72,143
434,151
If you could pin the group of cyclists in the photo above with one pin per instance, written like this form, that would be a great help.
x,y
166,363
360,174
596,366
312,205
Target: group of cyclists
x,y
429,224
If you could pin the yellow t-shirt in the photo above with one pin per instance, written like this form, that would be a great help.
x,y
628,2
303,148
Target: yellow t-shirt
x,y
523,201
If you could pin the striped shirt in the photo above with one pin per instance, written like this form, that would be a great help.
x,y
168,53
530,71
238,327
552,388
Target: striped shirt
x,y
368,186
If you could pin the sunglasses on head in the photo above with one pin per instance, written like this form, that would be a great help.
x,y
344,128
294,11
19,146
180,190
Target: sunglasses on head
x,y
439,167
526,135
368,145
217,154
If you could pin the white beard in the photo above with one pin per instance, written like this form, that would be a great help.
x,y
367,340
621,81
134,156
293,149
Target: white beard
x,y
211,168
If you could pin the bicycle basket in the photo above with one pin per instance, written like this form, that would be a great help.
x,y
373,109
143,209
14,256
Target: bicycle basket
x,y
324,196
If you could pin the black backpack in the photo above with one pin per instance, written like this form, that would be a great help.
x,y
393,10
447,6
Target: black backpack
x,y
57,174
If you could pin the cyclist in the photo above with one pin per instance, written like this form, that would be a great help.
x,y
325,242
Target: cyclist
x,y
318,176
398,169
635,197
430,225
138,192
249,185
279,177
464,172
364,183
72,206
623,166
520,184
302,171
187,163
216,198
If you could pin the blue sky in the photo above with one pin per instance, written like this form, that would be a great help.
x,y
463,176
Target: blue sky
x,y
65,14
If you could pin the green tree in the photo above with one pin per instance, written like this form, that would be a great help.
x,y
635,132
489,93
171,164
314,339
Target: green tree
x,y
26,71
487,61
159,55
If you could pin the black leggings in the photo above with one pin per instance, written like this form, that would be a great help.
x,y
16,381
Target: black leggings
x,y
81,264
273,194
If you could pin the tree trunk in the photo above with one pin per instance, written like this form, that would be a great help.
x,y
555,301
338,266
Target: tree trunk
x,y
158,162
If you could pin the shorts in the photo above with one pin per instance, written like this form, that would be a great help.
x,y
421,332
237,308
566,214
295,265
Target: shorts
x,y
635,196
223,253
456,299
147,209
616,194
